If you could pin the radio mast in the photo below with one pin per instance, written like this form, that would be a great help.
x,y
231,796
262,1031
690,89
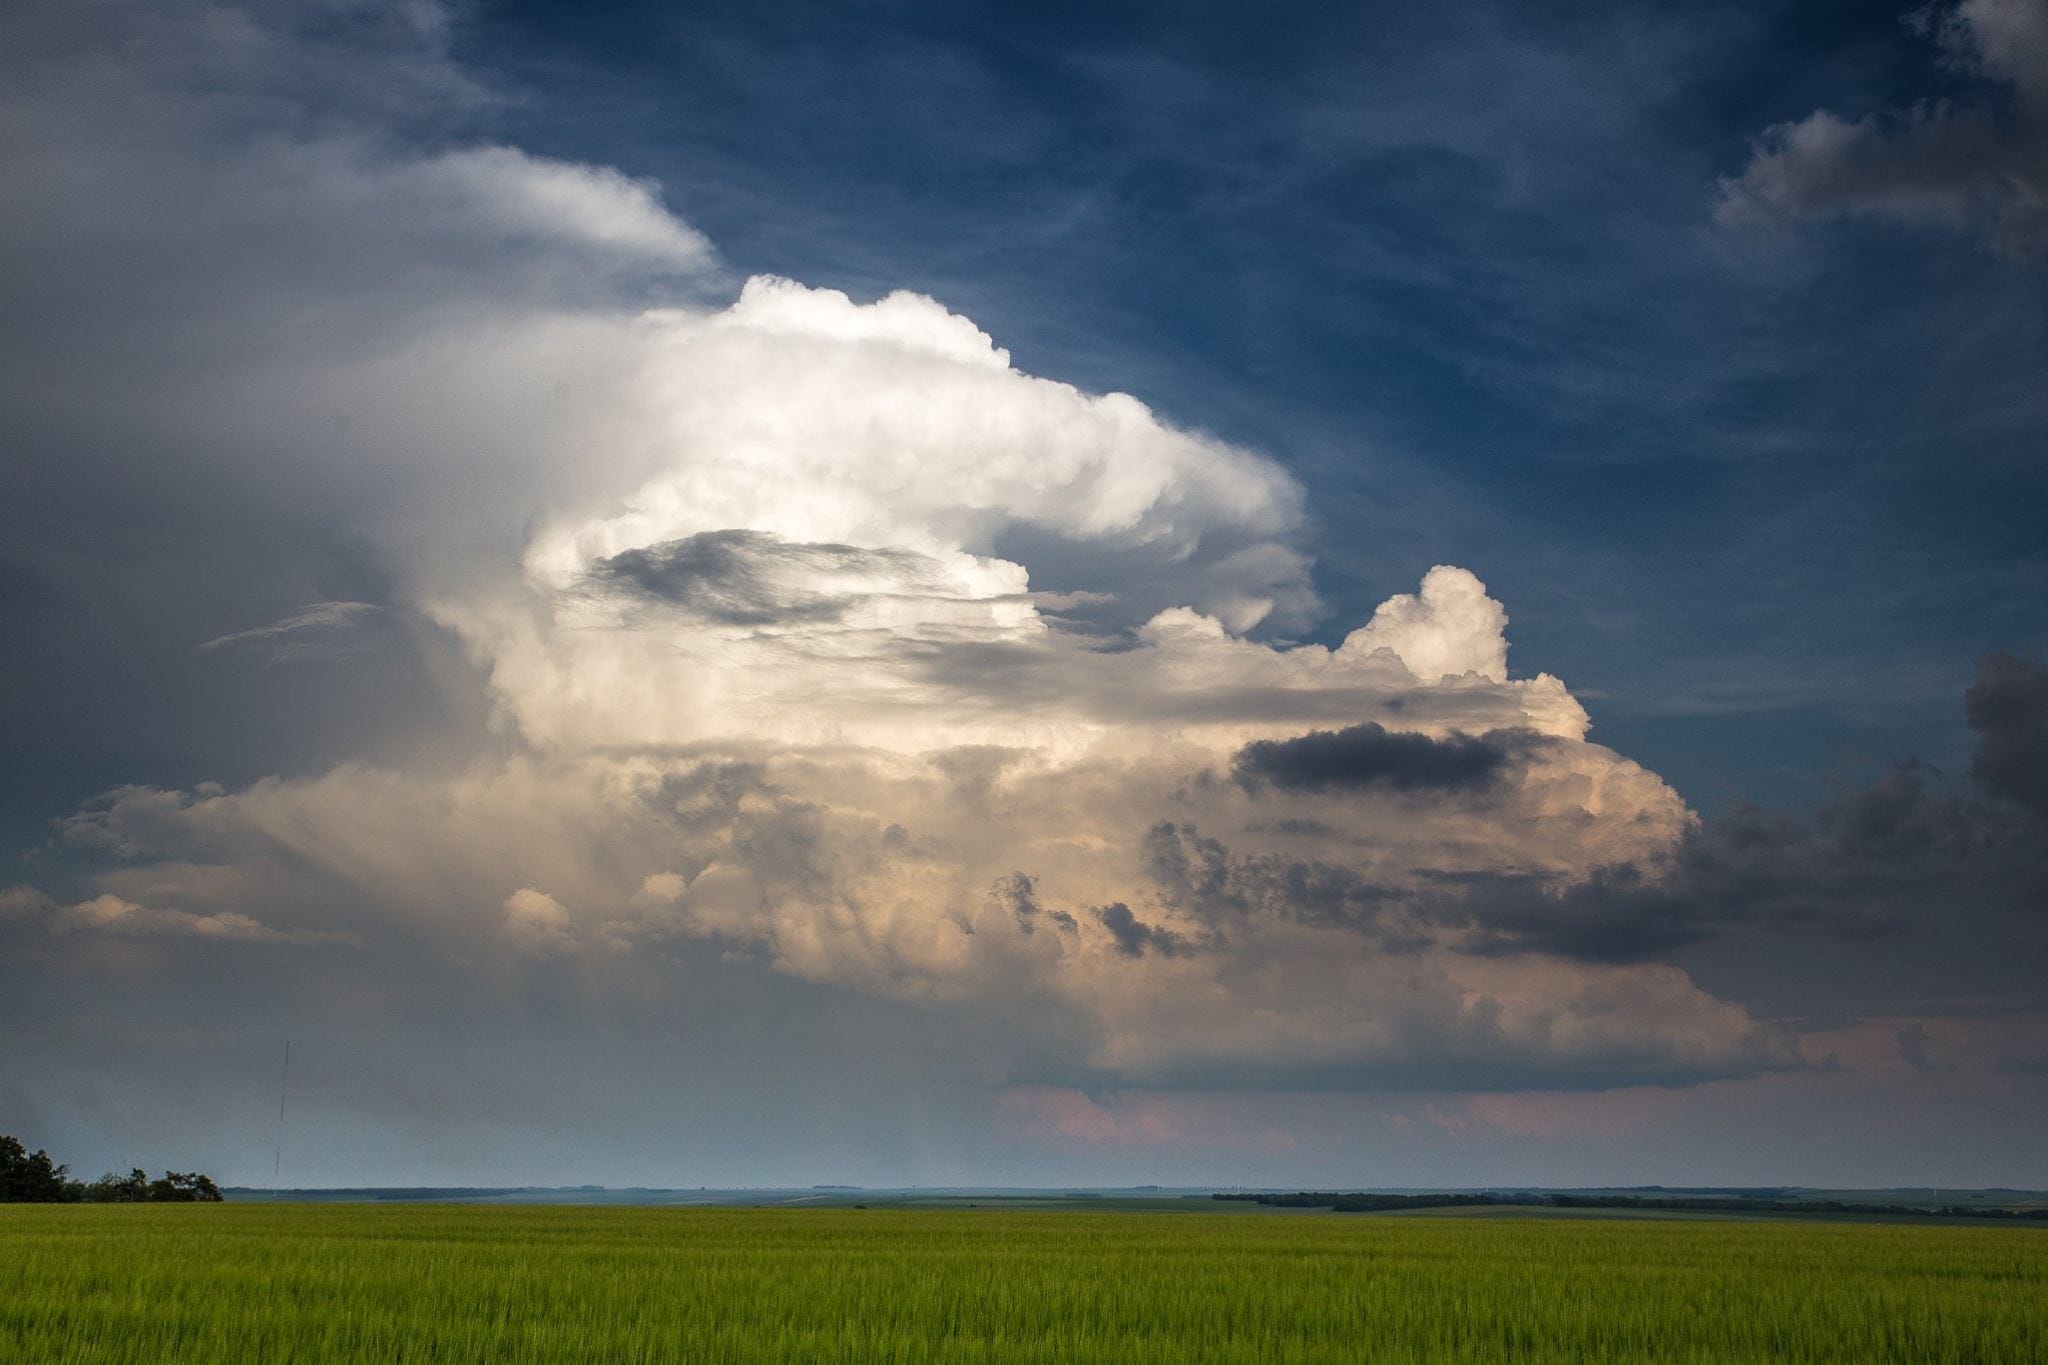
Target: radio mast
x,y
283,1080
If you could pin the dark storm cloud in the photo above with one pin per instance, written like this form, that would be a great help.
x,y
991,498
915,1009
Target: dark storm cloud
x,y
1897,852
1135,938
1901,851
1371,756
1018,894
1906,849
1913,1040
741,577
1612,916
1200,877
2008,708
1979,163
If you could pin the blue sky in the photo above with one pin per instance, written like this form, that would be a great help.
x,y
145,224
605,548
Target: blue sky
x,y
918,594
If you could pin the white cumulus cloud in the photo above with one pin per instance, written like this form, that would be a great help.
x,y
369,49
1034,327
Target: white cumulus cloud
x,y
536,924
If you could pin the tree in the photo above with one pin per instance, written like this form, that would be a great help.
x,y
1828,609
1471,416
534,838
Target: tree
x,y
132,1188
30,1178
183,1187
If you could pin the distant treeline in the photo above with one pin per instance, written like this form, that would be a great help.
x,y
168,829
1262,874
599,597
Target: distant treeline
x,y
424,1194
32,1178
1368,1203
1383,1203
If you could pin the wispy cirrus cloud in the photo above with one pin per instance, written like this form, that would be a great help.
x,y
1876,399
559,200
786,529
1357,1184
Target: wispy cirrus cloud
x,y
319,630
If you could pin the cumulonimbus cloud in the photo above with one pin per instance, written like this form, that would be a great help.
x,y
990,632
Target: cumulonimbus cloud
x,y
816,632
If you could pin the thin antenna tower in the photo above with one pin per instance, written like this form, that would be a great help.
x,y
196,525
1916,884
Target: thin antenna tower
x,y
283,1080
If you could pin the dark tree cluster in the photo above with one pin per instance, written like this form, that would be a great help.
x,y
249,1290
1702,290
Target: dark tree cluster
x,y
32,1178
1355,1202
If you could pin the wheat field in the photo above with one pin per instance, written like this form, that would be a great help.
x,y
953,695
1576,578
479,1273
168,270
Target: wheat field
x,y
460,1283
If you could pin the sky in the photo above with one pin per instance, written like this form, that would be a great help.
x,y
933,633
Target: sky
x,y
950,594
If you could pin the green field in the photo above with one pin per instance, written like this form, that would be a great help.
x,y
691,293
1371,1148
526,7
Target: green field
x,y
452,1283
